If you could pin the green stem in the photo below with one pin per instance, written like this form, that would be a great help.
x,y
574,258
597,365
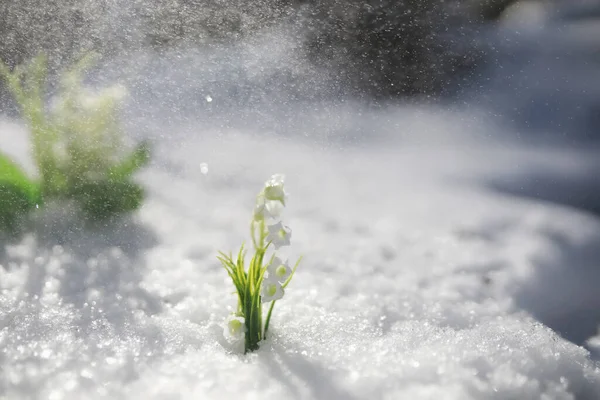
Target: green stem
x,y
253,233
268,320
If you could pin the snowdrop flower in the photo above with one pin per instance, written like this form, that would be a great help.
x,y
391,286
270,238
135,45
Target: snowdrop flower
x,y
279,235
267,209
279,270
273,209
235,328
271,290
265,279
274,188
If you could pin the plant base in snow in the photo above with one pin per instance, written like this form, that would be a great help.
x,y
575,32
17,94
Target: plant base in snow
x,y
265,278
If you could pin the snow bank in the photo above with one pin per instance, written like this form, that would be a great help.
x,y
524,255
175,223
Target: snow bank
x,y
415,283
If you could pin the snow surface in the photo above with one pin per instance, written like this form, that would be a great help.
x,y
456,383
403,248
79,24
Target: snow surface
x,y
438,263
418,281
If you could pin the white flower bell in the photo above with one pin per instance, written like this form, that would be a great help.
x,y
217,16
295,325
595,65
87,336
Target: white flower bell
x,y
279,235
267,209
273,209
279,270
235,328
274,188
271,290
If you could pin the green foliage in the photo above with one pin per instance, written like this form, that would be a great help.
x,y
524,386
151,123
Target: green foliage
x,y
76,144
12,174
248,284
18,195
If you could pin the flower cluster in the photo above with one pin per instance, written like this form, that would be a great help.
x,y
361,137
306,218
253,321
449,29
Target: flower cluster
x,y
265,279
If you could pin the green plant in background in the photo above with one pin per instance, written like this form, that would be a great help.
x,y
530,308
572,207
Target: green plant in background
x,y
77,147
265,279
18,195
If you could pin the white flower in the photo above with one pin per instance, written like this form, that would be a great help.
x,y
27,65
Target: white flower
x,y
274,188
279,270
267,209
273,209
279,235
235,328
271,290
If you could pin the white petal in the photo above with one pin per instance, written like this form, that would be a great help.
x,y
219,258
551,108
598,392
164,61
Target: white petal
x,y
234,329
274,188
271,290
279,270
273,209
279,235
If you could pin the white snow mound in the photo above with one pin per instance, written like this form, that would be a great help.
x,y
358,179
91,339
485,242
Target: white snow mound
x,y
411,286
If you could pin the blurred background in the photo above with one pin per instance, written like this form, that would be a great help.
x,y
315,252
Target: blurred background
x,y
525,71
531,61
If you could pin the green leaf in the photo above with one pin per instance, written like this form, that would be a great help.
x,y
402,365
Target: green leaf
x,y
240,268
14,205
133,162
268,320
13,175
10,171
289,279
101,200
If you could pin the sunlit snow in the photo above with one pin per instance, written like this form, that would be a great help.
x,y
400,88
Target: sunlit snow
x,y
434,267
